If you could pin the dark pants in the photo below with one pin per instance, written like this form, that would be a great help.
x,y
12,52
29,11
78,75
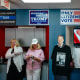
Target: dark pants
x,y
13,73
60,77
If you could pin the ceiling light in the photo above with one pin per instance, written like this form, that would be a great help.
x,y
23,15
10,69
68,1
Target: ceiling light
x,y
46,1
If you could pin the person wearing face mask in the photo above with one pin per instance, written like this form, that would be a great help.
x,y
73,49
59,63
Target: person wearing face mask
x,y
34,58
61,60
15,61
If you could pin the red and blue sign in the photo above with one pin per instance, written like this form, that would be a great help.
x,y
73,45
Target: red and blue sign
x,y
38,17
70,17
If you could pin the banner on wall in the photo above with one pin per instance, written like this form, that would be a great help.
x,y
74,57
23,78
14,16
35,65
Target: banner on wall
x,y
70,17
7,18
38,17
5,3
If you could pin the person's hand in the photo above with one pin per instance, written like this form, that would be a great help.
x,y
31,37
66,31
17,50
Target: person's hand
x,y
16,54
15,44
32,57
29,57
35,58
72,64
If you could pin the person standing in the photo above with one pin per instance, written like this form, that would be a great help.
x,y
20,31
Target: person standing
x,y
34,57
61,59
15,61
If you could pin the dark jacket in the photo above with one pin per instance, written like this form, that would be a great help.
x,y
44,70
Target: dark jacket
x,y
61,58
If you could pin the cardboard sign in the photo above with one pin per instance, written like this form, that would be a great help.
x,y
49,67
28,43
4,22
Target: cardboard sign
x,y
5,3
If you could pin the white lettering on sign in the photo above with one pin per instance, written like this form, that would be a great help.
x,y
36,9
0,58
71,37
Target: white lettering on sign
x,y
39,19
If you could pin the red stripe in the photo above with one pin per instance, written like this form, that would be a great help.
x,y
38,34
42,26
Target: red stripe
x,y
46,50
76,12
76,20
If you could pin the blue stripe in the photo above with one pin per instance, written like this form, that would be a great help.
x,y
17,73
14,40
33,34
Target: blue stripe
x,y
7,17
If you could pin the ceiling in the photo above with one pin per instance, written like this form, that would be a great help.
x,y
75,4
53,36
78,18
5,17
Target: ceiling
x,y
18,4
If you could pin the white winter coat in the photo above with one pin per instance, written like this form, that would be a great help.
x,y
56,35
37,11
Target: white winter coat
x,y
18,59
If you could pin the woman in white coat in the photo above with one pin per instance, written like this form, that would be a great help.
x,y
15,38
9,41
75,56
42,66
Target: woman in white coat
x,y
15,61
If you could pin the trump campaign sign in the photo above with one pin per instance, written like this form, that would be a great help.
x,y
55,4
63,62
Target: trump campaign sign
x,y
70,17
38,17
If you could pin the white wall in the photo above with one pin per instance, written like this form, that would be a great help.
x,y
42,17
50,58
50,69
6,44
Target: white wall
x,y
70,41
69,37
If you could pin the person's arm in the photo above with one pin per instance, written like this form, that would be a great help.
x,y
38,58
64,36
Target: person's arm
x,y
18,50
27,56
9,55
72,63
52,56
35,58
41,57
71,60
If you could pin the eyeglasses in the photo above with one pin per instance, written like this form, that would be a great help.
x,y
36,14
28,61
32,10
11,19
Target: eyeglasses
x,y
13,42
